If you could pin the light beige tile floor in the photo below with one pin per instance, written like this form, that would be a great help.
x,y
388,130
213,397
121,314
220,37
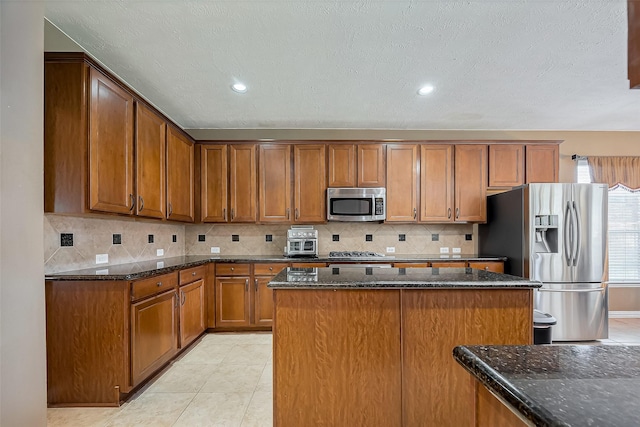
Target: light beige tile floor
x,y
224,380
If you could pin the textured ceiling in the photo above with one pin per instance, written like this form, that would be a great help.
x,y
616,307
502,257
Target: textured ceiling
x,y
510,64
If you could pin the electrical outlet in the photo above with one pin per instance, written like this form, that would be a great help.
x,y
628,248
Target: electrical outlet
x,y
444,250
102,258
159,252
215,250
456,250
390,249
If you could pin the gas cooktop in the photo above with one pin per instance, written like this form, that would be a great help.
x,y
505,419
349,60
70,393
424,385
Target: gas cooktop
x,y
354,254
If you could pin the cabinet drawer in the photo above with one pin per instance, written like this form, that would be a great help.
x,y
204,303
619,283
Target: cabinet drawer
x,y
268,269
449,264
153,285
233,269
192,274
410,264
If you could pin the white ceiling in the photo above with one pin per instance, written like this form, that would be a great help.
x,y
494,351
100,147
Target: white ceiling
x,y
496,64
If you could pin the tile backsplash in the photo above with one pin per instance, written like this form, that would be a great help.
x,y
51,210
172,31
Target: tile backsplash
x,y
93,236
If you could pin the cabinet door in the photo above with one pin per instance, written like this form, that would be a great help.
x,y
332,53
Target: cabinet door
x,y
232,302
275,183
110,146
542,163
213,183
310,183
402,183
154,334
371,171
495,266
179,177
506,165
471,183
263,301
342,165
436,183
242,179
192,312
151,136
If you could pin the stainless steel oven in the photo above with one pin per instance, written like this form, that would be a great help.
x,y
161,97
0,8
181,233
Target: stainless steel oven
x,y
356,204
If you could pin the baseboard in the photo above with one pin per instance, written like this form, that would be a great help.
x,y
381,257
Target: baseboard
x,y
624,314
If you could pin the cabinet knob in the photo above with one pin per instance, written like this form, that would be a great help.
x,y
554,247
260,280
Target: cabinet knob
x,y
270,268
232,268
487,268
159,284
193,273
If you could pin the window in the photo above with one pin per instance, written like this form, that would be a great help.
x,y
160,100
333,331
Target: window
x,y
624,229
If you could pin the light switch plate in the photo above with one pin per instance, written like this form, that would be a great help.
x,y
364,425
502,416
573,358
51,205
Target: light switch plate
x,y
102,258
456,250
215,250
390,249
444,250
159,252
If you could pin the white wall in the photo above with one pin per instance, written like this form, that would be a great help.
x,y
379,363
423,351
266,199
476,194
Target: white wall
x,y
22,314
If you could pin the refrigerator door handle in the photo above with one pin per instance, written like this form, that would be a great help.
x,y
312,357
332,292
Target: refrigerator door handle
x,y
567,221
572,290
577,237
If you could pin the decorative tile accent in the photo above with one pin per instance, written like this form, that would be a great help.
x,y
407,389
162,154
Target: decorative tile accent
x,y
174,238
66,239
468,237
117,239
268,238
150,238
335,237
235,238
368,237
435,237
402,237
201,237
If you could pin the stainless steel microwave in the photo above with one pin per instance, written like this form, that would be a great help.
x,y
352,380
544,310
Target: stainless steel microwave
x,y
356,204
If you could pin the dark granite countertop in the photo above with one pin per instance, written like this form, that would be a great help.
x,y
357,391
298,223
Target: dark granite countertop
x,y
140,270
561,385
395,278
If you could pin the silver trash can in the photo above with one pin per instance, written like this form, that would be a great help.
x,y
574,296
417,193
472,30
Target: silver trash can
x,y
542,324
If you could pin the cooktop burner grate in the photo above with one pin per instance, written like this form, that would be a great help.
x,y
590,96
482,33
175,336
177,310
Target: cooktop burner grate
x,y
354,254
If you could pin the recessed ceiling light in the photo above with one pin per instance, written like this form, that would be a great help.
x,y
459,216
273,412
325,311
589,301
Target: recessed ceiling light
x,y
425,90
239,87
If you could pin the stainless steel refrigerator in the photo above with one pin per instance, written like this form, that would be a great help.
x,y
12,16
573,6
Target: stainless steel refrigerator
x,y
556,234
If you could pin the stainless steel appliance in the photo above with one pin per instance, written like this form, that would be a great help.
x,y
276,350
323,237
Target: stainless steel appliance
x,y
556,234
302,241
356,204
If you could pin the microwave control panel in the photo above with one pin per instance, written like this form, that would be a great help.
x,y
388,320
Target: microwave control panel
x,y
379,206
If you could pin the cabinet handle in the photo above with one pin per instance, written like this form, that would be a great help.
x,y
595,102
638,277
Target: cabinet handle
x,y
296,214
184,297
449,214
177,304
159,284
415,213
224,214
133,202
287,213
246,285
231,214
256,284
141,201
457,213
170,210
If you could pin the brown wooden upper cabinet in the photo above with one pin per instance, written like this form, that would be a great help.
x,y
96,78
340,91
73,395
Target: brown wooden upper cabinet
x,y
542,163
151,137
228,183
402,183
506,165
352,165
453,183
275,183
310,183
110,146
179,176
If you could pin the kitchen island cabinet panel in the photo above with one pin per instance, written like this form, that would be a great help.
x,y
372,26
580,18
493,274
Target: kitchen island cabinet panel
x,y
321,376
87,343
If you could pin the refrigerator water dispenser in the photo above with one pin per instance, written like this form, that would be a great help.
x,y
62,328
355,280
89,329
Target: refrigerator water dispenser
x,y
546,234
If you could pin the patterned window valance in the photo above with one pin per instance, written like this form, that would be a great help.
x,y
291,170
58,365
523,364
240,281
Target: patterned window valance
x,y
615,171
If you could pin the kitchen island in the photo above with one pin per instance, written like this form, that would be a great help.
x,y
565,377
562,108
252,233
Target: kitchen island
x,y
372,346
554,385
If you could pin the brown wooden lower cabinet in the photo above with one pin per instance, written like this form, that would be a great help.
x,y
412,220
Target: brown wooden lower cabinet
x,y
384,357
192,312
154,334
232,302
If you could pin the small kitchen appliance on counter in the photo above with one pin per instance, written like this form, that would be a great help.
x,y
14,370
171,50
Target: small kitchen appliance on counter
x,y
302,241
